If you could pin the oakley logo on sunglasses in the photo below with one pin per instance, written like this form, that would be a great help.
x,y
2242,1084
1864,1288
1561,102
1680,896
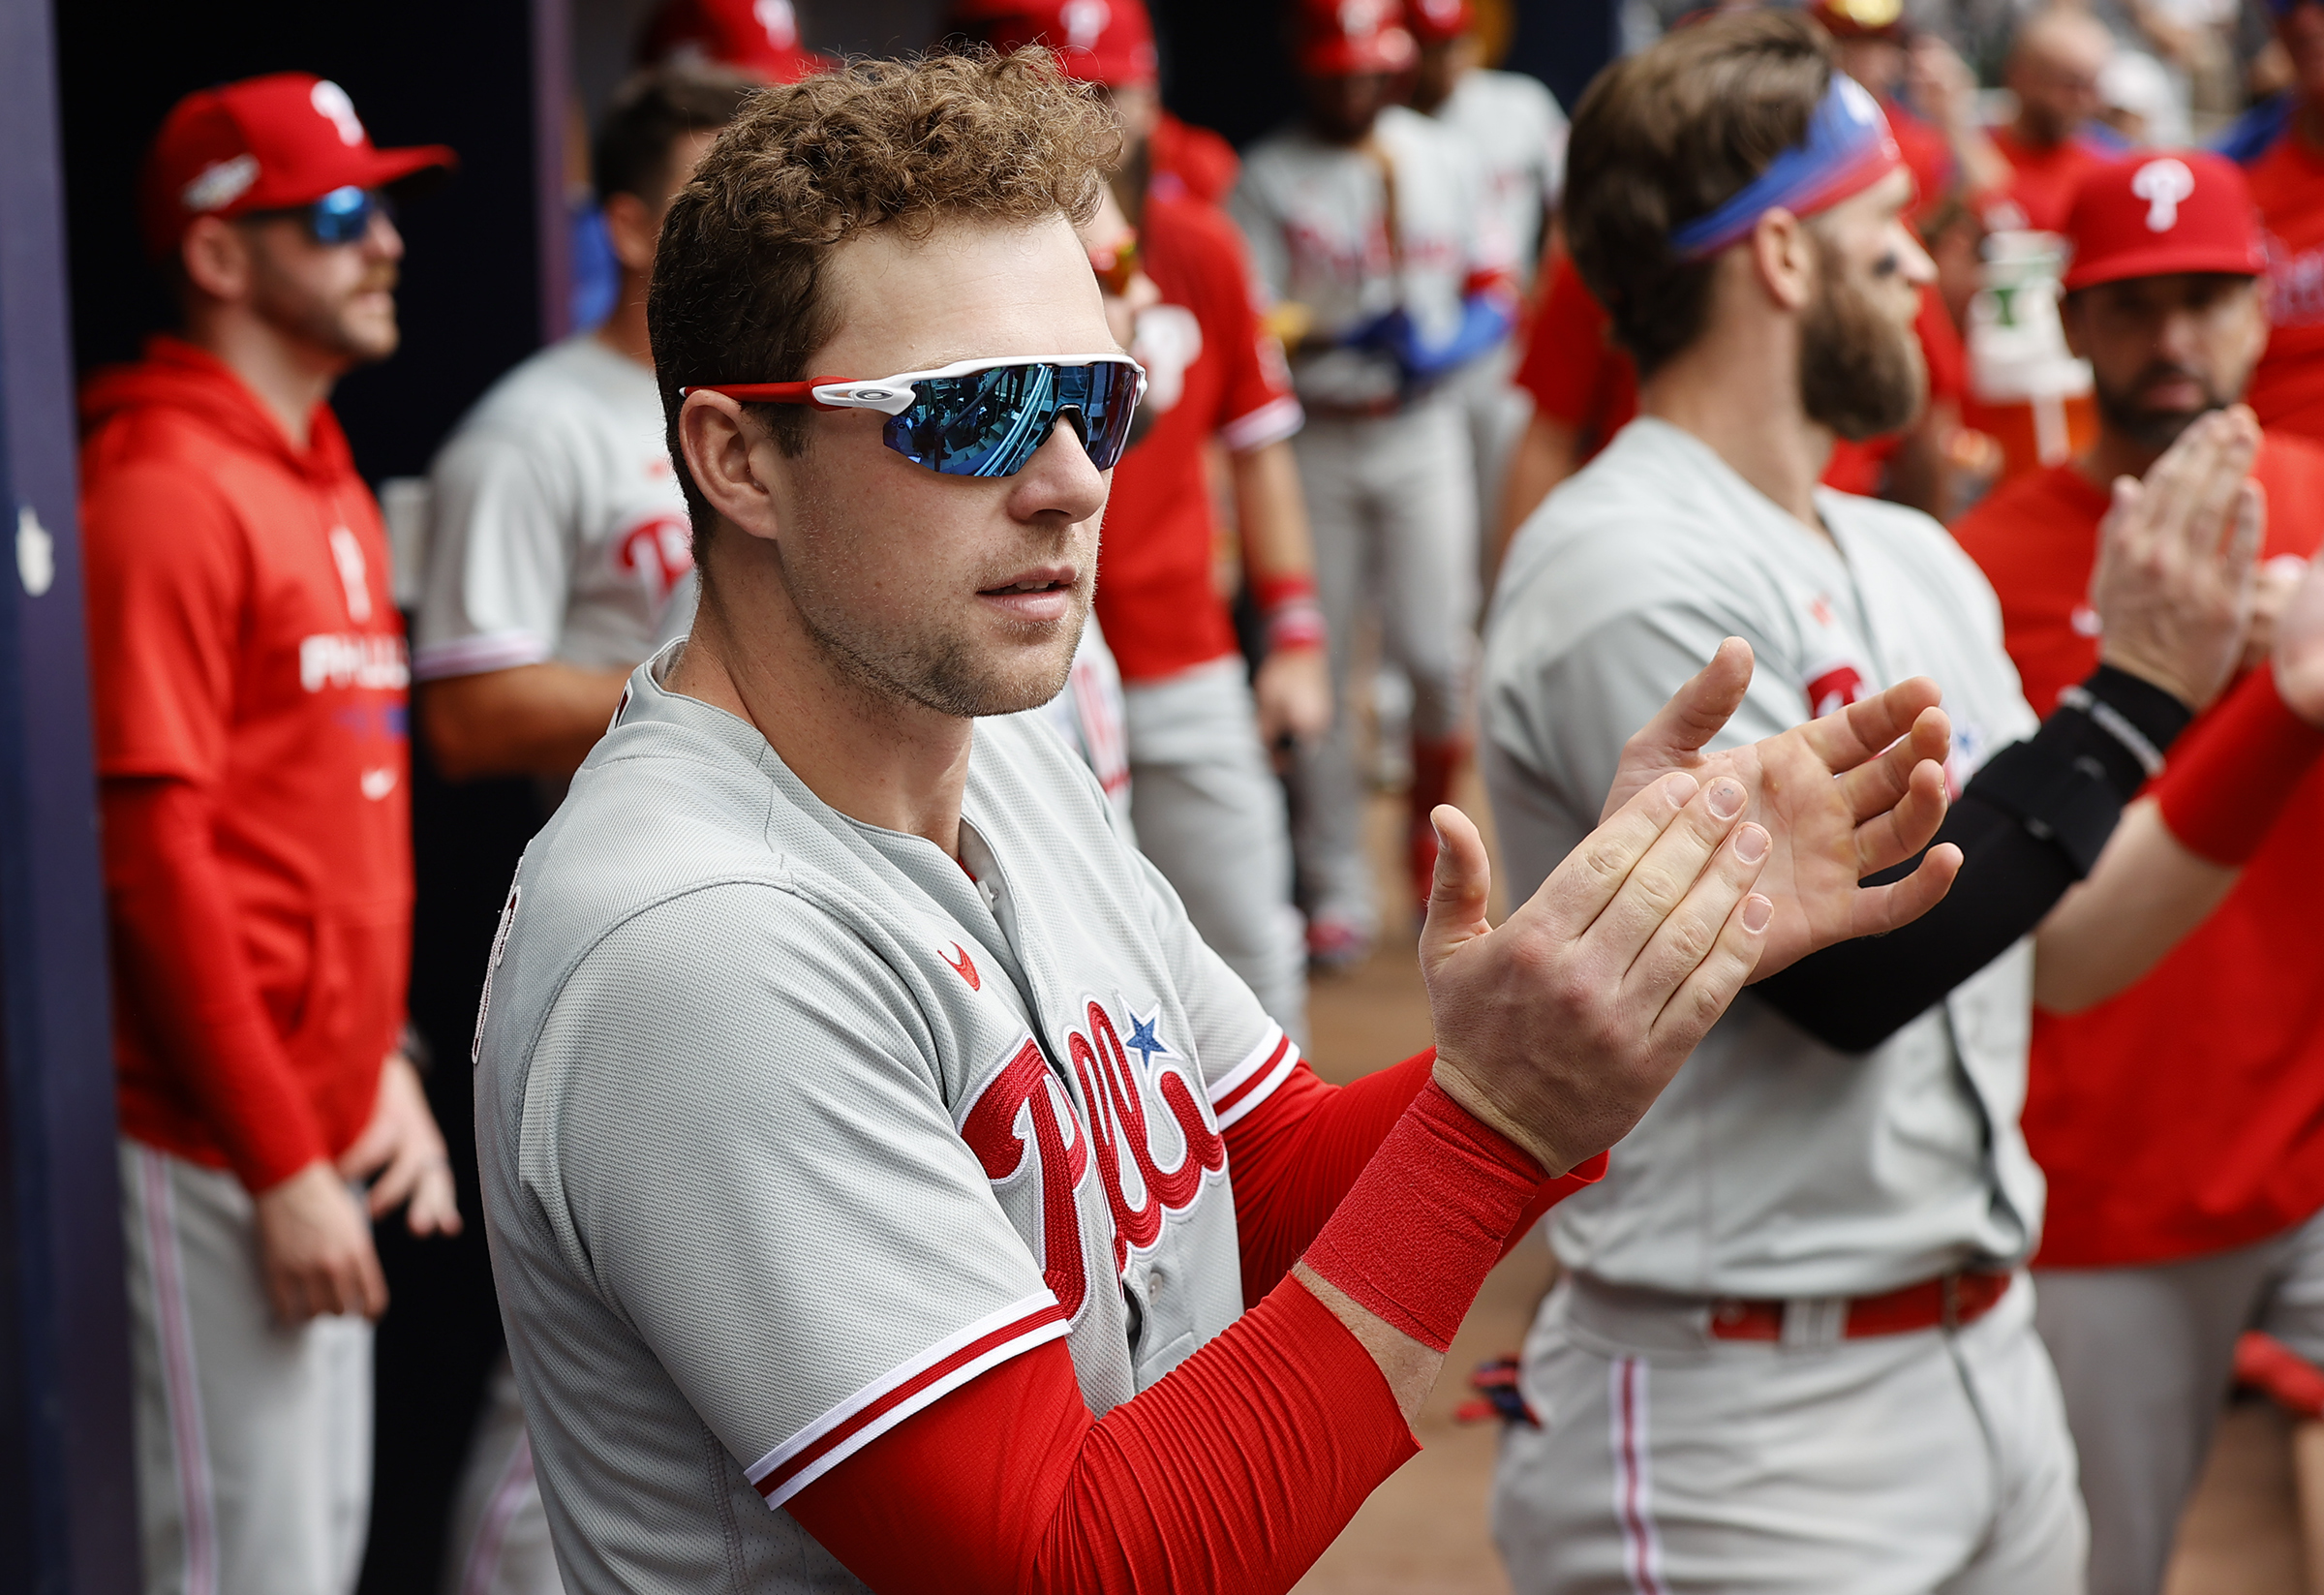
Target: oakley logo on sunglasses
x,y
979,417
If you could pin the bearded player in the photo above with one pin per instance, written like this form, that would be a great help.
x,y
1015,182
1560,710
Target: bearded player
x,y
877,1167
1794,1331
2161,1248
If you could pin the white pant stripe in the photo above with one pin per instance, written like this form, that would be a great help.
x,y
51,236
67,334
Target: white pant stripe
x,y
1634,1496
180,1384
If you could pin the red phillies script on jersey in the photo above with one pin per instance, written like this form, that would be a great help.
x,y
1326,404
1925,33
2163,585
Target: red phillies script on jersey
x,y
659,551
1025,1097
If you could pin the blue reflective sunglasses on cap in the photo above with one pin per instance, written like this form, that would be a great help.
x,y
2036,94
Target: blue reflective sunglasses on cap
x,y
979,417
342,215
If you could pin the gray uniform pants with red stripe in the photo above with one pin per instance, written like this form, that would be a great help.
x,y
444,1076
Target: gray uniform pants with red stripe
x,y
1927,1464
2144,1355
252,1439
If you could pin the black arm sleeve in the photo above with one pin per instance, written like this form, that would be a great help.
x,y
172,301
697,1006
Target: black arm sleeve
x,y
2029,825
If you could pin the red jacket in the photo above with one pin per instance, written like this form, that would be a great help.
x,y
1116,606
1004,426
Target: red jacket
x,y
250,672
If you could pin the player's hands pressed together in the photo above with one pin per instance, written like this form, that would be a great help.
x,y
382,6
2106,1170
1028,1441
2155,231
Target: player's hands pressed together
x,y
2177,569
1843,797
402,1153
1561,1027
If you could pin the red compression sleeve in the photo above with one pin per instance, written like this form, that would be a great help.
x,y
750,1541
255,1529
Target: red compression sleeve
x,y
1428,1218
2230,778
178,954
1229,1476
1295,1154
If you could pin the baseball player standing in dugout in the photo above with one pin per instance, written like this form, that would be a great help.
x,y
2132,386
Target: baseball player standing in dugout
x,y
877,1167
1794,1332
250,674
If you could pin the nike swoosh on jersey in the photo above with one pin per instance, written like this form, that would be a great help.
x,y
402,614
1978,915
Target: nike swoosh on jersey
x,y
963,965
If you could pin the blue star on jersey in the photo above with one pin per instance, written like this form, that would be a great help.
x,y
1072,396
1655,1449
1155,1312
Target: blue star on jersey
x,y
1143,1041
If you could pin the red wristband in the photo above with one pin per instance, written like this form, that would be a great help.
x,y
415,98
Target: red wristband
x,y
2229,779
1427,1219
1288,604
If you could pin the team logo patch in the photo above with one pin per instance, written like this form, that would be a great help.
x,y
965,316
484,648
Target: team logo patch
x,y
1023,1125
1832,689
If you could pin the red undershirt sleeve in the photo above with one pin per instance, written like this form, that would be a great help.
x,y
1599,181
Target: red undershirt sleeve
x,y
178,954
1294,1156
1230,1475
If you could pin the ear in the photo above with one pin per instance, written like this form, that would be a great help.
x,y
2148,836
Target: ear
x,y
2073,315
215,255
1782,258
630,225
733,460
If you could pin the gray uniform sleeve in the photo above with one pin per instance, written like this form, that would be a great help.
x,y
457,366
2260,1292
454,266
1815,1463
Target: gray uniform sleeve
x,y
500,555
737,1131
1556,731
1262,233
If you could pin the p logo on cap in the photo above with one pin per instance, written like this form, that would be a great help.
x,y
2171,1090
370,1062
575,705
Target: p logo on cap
x,y
2163,184
332,103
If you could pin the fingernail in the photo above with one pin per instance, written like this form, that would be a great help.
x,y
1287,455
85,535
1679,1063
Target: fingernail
x,y
1751,844
1727,798
1756,912
1680,789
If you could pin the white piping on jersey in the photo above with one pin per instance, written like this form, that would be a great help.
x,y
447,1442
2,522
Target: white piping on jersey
x,y
476,655
1633,1493
1272,422
909,1386
1254,1079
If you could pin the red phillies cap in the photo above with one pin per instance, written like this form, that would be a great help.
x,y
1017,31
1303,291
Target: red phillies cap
x,y
758,38
1109,42
1438,21
1345,38
265,143
2152,215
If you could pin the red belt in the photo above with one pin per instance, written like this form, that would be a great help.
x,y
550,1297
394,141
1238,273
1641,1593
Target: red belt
x,y
1949,1300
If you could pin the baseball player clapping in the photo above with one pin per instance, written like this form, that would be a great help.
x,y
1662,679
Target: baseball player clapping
x,y
857,1110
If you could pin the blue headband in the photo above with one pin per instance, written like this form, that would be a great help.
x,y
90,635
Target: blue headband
x,y
1847,148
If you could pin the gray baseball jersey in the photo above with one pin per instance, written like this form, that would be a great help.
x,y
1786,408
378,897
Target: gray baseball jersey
x,y
1773,1166
1316,216
789,1125
556,528
1514,125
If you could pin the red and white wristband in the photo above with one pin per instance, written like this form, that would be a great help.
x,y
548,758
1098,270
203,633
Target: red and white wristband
x,y
1288,607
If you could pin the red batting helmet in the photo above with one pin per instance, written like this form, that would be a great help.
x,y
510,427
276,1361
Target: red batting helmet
x,y
756,38
1109,42
264,143
1344,38
1438,21
2152,215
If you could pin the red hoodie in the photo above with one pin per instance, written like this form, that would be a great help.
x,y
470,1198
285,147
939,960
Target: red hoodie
x,y
249,679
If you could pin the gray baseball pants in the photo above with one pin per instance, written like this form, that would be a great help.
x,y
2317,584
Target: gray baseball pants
x,y
1928,1464
1496,413
499,1542
1210,813
252,1439
2145,1356
1392,504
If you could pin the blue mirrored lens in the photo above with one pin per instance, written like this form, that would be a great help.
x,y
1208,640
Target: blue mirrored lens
x,y
343,216
991,423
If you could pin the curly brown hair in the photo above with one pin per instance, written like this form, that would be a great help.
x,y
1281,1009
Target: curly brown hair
x,y
739,291
1669,135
